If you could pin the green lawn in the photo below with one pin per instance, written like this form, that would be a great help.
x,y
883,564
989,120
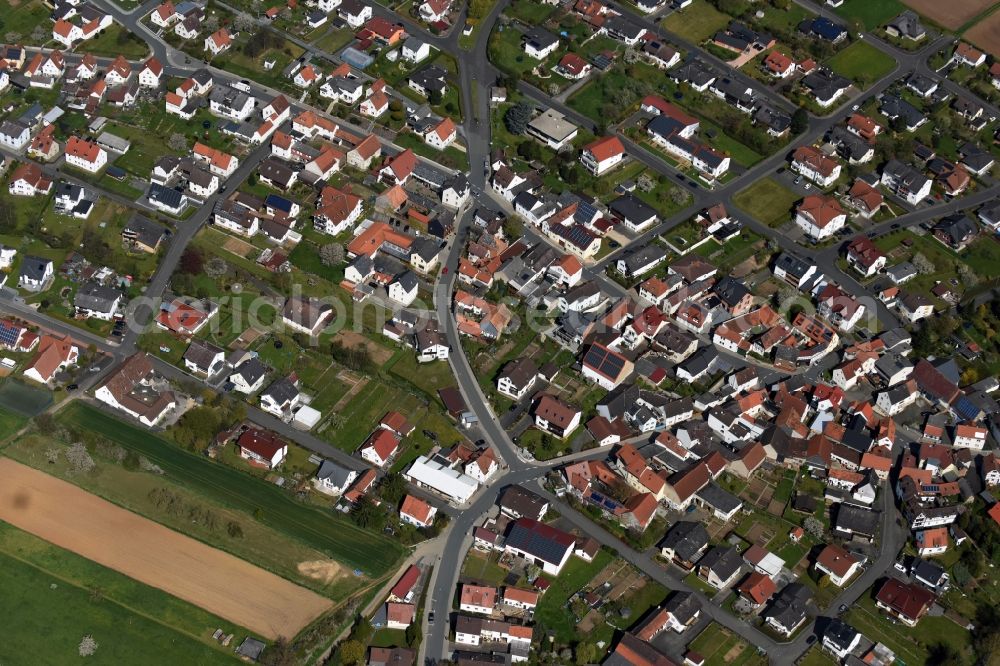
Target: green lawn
x,y
335,40
768,201
718,646
23,17
52,599
698,22
552,612
271,506
816,657
507,54
531,12
863,63
113,41
483,568
871,13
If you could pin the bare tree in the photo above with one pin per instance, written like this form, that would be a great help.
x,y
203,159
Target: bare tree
x,y
813,527
88,646
923,264
211,23
216,267
177,142
331,254
79,458
243,22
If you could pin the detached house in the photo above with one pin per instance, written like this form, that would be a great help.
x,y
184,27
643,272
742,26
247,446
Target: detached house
x,y
218,41
262,447
815,166
555,416
820,217
85,154
603,154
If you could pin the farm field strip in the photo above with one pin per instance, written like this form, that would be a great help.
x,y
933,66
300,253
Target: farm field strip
x,y
72,518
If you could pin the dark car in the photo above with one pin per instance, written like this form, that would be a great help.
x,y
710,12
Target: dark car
x,y
430,618
811,639
614,245
895,226
72,387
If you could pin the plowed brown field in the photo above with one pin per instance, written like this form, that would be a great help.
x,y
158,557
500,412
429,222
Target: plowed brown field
x,y
78,521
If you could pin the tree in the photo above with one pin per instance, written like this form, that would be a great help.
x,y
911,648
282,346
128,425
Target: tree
x,y
8,220
393,487
813,527
677,195
479,8
923,264
192,261
88,646
586,653
367,514
177,142
517,118
216,267
331,254
243,22
211,23
280,653
800,121
352,652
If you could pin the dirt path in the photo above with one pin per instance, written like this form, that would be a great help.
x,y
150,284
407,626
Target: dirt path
x,y
72,518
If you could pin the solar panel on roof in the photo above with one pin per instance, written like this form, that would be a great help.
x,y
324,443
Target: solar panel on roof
x,y
9,334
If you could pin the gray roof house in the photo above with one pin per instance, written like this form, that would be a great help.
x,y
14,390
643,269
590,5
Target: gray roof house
x,y
333,478
97,300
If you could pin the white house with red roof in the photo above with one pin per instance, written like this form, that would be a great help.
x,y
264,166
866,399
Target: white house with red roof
x,y
567,271
85,154
441,135
603,154
815,166
417,512
374,105
820,217
306,76
149,75
779,65
970,436
865,257
573,67
837,563
433,11
53,355
218,41
164,15
483,466
380,447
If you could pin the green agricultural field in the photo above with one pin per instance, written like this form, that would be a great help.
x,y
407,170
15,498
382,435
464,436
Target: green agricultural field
x,y
871,13
768,201
698,22
52,599
863,63
270,505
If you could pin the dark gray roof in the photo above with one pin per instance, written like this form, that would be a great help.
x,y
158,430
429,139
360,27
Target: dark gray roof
x,y
430,78
723,561
857,520
521,501
717,498
683,606
34,268
97,297
840,634
540,38
789,607
539,540
251,370
144,230
282,390
631,207
730,290
336,473
686,538
167,196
